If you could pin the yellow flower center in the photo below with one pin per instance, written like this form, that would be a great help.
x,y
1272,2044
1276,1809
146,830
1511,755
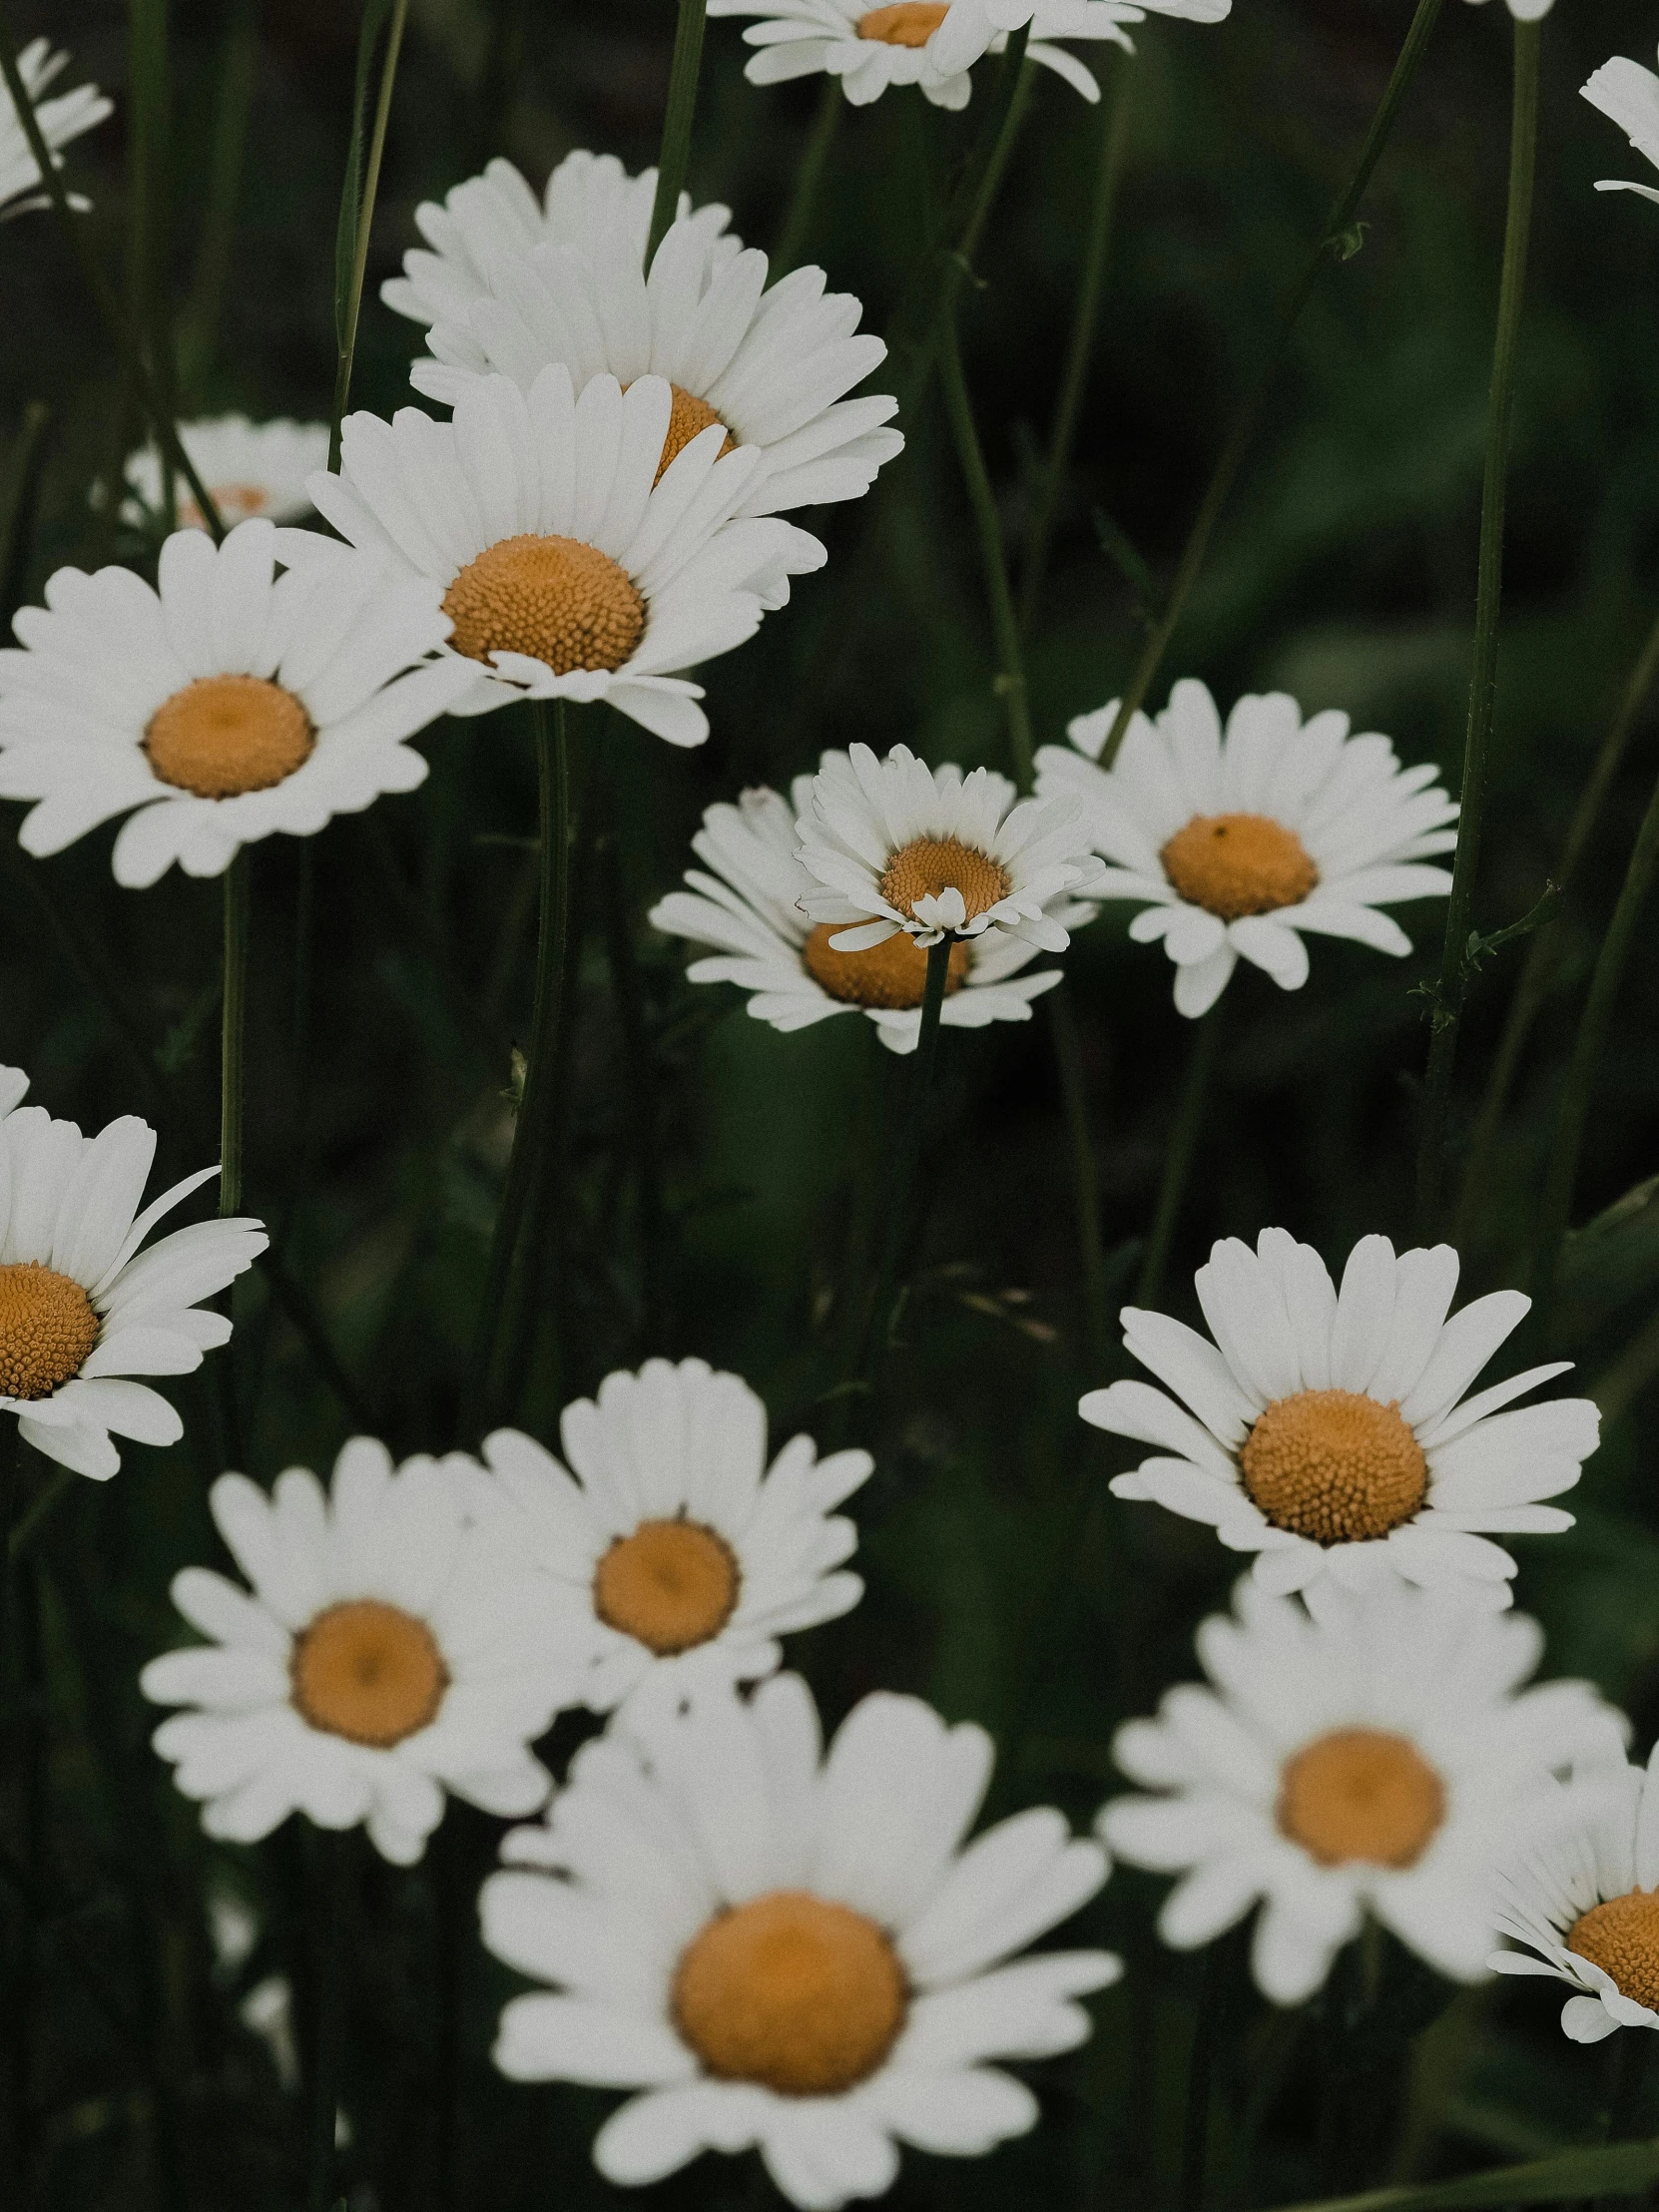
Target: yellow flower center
x,y
804,1996
689,418
910,23
928,865
671,1584
1361,1794
1334,1466
369,1672
1622,1939
892,973
555,598
47,1329
226,734
1236,865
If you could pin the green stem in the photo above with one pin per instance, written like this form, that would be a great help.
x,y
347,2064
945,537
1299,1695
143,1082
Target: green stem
x,y
331,1891
148,203
1086,1179
232,1026
233,108
675,155
1329,245
809,177
1448,1001
640,1086
11,1452
364,226
22,500
901,1197
1178,1160
1195,2149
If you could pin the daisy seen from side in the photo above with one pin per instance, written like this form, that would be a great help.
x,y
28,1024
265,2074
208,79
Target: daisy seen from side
x,y
247,469
778,1947
1629,95
1239,842
66,116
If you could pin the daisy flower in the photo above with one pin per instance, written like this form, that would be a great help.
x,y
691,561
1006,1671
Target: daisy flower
x,y
778,1949
894,844
248,468
60,120
83,1308
568,570
675,1554
1375,1753
387,1651
1240,843
226,704
1330,1432
1629,94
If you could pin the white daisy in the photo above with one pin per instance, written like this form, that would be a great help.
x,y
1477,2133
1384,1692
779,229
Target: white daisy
x,y
226,704
388,1651
937,853
60,120
675,1556
82,1308
1584,1901
567,569
1238,844
246,468
1629,94
1330,1435
1373,1754
782,1950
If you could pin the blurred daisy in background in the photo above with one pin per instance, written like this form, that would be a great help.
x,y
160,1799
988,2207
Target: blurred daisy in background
x,y
1629,94
778,1949
387,1651
83,1306
60,120
1238,844
226,704
1373,1754
568,570
1330,1432
247,469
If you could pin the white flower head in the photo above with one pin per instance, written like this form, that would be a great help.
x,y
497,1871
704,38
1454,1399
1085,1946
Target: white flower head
x,y
1629,94
1330,1432
247,469
60,120
937,853
388,1651
797,1951
1375,1753
568,570
675,1555
228,703
84,1305
747,907
1244,841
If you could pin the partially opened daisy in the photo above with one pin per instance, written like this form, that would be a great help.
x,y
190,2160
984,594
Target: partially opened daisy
x,y
1240,842
747,907
387,1651
675,1556
1374,1754
1629,94
85,1305
894,844
60,120
776,1948
237,698
568,569
246,468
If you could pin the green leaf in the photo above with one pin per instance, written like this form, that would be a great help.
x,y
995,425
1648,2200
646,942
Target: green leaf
x,y
1607,2170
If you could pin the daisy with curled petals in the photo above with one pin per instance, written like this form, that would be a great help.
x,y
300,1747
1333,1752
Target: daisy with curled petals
x,y
60,120
246,468
675,1555
894,844
1629,94
1240,842
85,1306
1373,1754
567,568
387,1651
1330,1432
798,1952
228,703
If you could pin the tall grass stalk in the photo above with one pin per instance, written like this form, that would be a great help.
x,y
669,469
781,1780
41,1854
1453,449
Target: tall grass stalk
x,y
357,216
148,212
233,111
674,157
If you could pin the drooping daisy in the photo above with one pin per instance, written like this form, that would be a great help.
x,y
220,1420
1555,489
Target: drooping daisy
x,y
226,704
1330,1433
60,119
793,1951
388,1651
246,468
567,569
1629,94
1373,1754
1240,843
675,1556
936,853
82,1309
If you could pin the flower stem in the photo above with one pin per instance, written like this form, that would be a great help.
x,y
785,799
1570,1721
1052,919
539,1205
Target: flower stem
x,y
331,1892
17,522
675,155
148,244
11,1452
1195,2149
897,1245
1449,1000
357,216
1178,1160
809,177
233,108
1085,1178
1332,243
232,1023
